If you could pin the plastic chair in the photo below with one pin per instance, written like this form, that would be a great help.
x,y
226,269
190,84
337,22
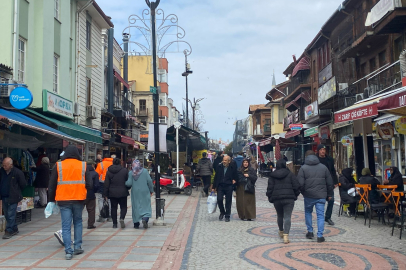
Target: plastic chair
x,y
389,188
399,211
363,191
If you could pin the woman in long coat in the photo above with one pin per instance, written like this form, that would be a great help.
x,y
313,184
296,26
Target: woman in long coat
x,y
141,191
245,200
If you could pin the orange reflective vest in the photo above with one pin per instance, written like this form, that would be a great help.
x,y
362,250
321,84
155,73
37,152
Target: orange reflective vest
x,y
103,167
71,180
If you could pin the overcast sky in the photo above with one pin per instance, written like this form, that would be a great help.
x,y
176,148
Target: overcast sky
x,y
236,46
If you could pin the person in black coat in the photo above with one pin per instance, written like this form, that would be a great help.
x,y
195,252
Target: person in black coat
x,y
368,179
116,191
283,189
347,182
395,179
245,200
90,201
42,181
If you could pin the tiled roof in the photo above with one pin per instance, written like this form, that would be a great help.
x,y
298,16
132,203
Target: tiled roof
x,y
253,108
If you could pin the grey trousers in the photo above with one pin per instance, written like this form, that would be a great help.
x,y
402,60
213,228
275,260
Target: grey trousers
x,y
284,209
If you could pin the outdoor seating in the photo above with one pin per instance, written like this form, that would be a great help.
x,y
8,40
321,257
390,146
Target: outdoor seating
x,y
399,211
363,191
340,210
387,191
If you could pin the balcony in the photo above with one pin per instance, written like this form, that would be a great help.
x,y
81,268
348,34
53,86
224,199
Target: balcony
x,y
300,81
128,106
142,112
293,118
388,78
393,22
122,105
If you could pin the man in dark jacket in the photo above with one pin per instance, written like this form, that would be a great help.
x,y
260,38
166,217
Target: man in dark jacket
x,y
238,159
12,182
90,201
224,180
205,169
316,186
218,160
329,163
395,179
42,180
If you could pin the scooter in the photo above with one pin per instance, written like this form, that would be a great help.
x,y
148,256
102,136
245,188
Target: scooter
x,y
168,184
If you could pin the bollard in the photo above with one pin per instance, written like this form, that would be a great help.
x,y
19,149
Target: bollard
x,y
161,207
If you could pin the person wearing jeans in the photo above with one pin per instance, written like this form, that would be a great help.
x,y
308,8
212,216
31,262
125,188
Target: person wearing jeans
x,y
316,185
72,212
205,169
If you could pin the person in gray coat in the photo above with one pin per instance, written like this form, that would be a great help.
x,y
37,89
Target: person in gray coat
x,y
205,169
316,185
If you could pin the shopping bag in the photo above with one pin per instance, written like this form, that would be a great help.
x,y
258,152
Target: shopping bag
x,y
104,212
212,203
51,209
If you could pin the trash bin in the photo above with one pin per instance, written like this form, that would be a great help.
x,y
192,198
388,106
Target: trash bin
x,y
161,206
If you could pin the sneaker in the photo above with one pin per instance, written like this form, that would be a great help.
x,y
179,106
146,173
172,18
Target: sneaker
x,y
320,239
78,251
58,235
309,235
145,224
227,219
114,226
136,225
330,222
7,235
122,223
91,227
15,232
221,217
68,256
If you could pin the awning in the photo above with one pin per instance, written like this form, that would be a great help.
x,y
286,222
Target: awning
x,y
283,142
359,110
292,133
303,64
140,145
121,79
305,95
126,139
27,122
72,128
394,102
386,118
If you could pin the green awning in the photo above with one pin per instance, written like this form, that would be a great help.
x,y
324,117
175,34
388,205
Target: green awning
x,y
73,129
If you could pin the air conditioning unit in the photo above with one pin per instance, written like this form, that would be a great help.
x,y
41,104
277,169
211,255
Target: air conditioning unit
x,y
91,112
76,109
342,86
359,97
5,90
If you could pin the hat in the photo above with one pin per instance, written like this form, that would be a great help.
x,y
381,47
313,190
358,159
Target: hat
x,y
366,171
320,146
90,162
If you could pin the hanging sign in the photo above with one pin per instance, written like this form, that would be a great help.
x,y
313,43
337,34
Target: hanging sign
x,y
357,113
346,140
400,125
325,132
21,98
314,131
56,104
385,131
296,126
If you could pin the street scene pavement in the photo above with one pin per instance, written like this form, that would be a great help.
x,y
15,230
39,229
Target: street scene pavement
x,y
194,239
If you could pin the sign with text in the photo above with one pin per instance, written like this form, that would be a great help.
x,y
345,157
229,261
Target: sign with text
x,y
327,90
56,104
314,131
296,126
357,113
21,98
311,110
396,101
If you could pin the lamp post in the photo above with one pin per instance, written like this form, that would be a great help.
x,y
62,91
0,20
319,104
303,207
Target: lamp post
x,y
186,74
195,106
177,125
152,6
256,143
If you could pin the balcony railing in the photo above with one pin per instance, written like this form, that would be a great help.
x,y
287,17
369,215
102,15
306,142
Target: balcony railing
x,y
386,79
301,78
293,118
143,112
128,106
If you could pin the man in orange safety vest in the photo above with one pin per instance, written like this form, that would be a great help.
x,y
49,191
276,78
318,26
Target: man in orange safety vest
x,y
101,169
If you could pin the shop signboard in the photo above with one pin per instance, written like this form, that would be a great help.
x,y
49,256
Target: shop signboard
x,y
325,74
346,140
56,104
327,90
325,132
311,110
21,98
394,103
385,131
400,125
314,131
357,113
296,126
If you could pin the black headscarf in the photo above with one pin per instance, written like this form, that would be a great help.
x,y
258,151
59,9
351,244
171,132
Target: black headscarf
x,y
348,173
242,168
281,164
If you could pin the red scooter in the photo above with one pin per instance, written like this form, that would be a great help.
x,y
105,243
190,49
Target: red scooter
x,y
168,184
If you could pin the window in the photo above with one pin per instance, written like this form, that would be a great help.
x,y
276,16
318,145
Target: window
x,y
272,115
163,99
162,77
372,65
88,34
382,58
398,46
56,9
56,72
21,60
281,114
88,91
143,105
162,119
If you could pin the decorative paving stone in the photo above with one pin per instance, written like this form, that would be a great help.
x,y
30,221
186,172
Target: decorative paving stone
x,y
269,215
328,255
296,232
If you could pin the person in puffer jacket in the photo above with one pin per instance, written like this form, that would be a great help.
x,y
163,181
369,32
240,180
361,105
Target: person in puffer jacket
x,y
316,185
205,169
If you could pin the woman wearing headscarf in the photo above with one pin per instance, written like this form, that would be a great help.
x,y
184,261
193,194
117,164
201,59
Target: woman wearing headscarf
x,y
347,182
42,180
283,189
395,179
245,200
141,192
368,179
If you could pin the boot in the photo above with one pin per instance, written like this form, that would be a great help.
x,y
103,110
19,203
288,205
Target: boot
x,y
286,238
281,234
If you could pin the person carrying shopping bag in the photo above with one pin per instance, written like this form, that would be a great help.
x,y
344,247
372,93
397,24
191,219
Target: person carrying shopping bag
x,y
245,200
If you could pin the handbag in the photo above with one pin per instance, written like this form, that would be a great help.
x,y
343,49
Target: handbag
x,y
104,212
249,187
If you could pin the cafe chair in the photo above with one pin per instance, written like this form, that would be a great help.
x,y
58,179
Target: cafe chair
x,y
363,191
387,191
399,211
340,210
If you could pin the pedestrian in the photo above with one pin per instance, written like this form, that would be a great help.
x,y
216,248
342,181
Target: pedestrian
x,y
68,187
329,163
102,169
187,172
316,185
254,163
98,159
224,180
368,179
238,159
41,154
395,179
169,172
205,169
42,180
141,192
347,182
283,189
116,191
12,182
90,201
245,200
218,160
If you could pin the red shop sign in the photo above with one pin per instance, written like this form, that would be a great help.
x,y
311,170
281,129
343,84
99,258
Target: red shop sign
x,y
358,113
395,101
325,132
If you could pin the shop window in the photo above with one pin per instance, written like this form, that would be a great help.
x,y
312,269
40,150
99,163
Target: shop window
x,y
378,158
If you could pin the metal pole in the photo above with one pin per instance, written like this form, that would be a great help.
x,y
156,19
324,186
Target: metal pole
x,y
187,96
207,140
125,62
177,157
110,76
153,6
257,156
193,108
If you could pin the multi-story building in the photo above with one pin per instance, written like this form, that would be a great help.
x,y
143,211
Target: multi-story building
x,y
261,121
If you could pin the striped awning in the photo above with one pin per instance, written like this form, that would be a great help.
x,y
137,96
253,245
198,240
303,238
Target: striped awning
x,y
292,133
303,64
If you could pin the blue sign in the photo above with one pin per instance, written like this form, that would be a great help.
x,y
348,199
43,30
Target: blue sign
x,y
21,98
